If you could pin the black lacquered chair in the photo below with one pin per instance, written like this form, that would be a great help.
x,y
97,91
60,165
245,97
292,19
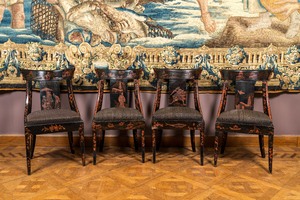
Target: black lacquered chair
x,y
121,115
51,118
243,119
177,114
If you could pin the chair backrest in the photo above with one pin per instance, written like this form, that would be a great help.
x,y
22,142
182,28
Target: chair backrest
x,y
244,84
117,82
48,82
178,82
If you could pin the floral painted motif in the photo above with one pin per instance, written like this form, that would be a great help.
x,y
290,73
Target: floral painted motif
x,y
54,128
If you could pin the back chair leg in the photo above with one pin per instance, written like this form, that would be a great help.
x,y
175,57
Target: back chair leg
x,y
223,143
101,145
192,133
143,145
70,136
216,148
135,140
33,141
270,152
158,139
262,145
153,145
82,143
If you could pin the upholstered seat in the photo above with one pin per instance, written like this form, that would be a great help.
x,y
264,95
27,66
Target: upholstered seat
x,y
115,114
52,116
177,114
245,117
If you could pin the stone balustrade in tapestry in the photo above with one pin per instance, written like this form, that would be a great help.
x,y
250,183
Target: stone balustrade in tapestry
x,y
283,60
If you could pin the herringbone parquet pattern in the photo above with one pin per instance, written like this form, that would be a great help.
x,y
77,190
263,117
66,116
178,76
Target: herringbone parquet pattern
x,y
119,174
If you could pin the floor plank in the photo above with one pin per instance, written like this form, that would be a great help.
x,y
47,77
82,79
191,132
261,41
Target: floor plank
x,y
119,174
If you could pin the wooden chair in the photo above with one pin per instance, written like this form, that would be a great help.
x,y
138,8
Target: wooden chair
x,y
243,119
177,114
51,118
120,115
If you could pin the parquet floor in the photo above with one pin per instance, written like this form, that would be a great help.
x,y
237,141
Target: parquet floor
x,y
119,174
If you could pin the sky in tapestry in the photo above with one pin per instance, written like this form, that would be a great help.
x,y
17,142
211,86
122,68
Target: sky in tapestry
x,y
182,17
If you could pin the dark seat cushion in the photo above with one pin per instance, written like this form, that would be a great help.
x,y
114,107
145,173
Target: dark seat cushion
x,y
52,117
245,117
118,114
177,114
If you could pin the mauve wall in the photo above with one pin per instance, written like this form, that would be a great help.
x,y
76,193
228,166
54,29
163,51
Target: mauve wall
x,y
285,110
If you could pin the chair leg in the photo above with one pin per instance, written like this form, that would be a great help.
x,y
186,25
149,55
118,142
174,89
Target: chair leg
x,y
153,145
143,145
82,143
270,152
216,148
262,146
94,132
201,146
192,133
135,140
223,143
28,136
70,136
33,141
101,145
158,140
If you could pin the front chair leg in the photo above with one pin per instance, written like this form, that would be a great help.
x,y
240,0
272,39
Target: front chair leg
x,y
270,151
94,132
262,146
216,148
201,146
153,146
70,136
192,133
82,143
28,136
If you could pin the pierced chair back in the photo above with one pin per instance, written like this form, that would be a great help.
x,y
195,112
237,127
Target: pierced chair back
x,y
51,118
121,115
177,115
243,118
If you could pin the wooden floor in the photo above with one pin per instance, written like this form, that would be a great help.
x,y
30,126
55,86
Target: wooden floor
x,y
119,174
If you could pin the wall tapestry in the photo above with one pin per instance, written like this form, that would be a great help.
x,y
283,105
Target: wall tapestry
x,y
211,34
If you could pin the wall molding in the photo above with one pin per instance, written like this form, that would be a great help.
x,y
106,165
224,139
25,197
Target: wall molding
x,y
167,141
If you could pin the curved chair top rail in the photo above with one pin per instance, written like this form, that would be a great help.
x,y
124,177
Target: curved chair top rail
x,y
118,74
40,75
246,75
187,74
